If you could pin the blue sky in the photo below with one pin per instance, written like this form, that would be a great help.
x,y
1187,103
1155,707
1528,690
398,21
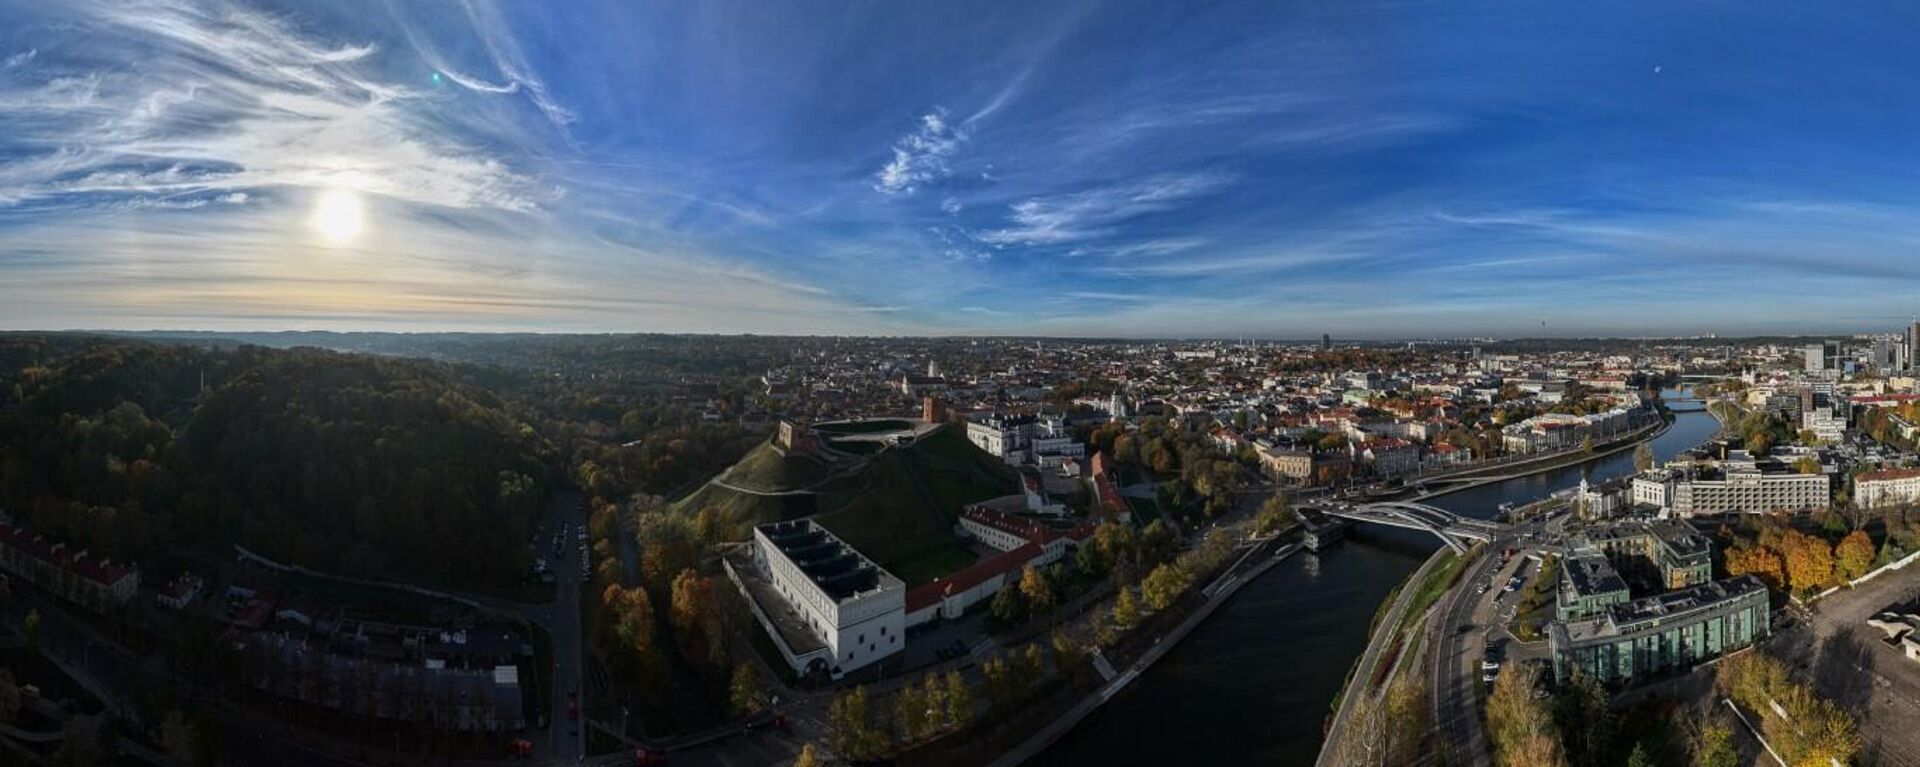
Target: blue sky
x,y
1060,168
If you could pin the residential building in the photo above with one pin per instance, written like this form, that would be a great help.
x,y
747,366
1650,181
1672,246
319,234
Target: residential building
x,y
95,583
1886,487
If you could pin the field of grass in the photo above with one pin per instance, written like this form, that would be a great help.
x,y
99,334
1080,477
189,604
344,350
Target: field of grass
x,y
898,511
937,562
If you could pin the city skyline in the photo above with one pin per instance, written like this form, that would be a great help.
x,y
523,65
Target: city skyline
x,y
1074,169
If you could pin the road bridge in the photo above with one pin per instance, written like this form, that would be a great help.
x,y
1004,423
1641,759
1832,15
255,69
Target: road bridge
x,y
1452,529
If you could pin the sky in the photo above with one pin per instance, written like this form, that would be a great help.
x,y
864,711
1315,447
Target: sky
x,y
1259,169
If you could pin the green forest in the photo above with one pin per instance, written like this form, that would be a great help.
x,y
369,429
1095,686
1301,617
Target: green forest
x,y
373,466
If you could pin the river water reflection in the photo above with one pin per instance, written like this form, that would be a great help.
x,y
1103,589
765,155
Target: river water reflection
x,y
1253,685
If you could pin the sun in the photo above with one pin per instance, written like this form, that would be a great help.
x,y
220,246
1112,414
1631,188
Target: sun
x,y
338,216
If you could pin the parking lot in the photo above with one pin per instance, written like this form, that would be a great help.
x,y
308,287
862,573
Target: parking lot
x,y
1852,664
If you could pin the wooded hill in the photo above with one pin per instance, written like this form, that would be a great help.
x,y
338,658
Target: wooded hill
x,y
362,465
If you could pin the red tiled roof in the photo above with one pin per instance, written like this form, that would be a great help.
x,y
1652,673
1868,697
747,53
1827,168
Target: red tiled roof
x,y
980,572
1888,474
59,555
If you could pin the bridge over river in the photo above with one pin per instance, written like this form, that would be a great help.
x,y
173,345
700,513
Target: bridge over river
x,y
1456,531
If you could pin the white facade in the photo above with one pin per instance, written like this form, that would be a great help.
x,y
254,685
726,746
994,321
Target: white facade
x,y
1653,488
1886,488
1750,491
856,608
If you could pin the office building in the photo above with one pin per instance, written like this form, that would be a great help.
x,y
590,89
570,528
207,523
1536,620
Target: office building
x,y
1636,640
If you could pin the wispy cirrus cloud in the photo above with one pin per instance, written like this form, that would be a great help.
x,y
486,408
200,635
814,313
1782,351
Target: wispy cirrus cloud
x,y
181,98
1098,212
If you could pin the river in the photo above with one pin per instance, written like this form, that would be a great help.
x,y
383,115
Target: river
x,y
1254,684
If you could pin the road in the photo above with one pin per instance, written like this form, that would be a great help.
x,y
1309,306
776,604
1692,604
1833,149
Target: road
x,y
1470,621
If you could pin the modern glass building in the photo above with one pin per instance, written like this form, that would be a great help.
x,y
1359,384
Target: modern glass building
x,y
1648,636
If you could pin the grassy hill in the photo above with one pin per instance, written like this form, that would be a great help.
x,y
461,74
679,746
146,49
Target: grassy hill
x,y
899,510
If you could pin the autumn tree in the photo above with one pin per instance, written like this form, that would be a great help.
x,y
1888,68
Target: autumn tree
x,y
959,701
809,757
1126,613
1759,561
1163,586
1519,725
1034,586
744,690
1854,555
1643,456
850,731
910,712
1809,561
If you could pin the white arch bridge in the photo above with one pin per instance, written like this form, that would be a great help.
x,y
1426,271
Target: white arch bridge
x,y
1456,531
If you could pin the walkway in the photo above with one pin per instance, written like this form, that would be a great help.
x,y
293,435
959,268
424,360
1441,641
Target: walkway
x,y
1220,591
1362,679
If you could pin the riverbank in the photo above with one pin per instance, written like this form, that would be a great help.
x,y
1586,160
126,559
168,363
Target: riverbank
x,y
1218,593
1255,685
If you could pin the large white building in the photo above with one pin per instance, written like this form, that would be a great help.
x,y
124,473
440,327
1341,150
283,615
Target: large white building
x,y
1750,491
827,607
1027,439
1887,487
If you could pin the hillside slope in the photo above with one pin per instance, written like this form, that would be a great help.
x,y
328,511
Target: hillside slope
x,y
899,507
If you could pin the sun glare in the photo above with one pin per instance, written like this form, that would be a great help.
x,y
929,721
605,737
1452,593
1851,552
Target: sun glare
x,y
338,216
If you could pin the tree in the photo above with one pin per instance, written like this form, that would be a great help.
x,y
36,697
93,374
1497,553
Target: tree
x,y
1519,725
32,628
1643,456
1275,513
177,739
1008,607
1036,665
1807,464
1809,561
809,757
850,731
1066,654
1126,614
1583,714
1163,586
910,712
1640,757
999,681
1854,555
959,702
1759,561
1713,747
1034,586
744,690
934,692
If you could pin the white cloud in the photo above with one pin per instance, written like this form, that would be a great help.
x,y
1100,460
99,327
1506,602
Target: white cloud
x,y
921,157
951,206
19,58
203,101
1098,212
507,57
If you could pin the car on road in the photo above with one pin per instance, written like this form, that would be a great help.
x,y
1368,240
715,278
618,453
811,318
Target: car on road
x,y
1489,676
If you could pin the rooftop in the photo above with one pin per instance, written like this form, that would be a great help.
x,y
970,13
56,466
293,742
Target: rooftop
x,y
829,562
